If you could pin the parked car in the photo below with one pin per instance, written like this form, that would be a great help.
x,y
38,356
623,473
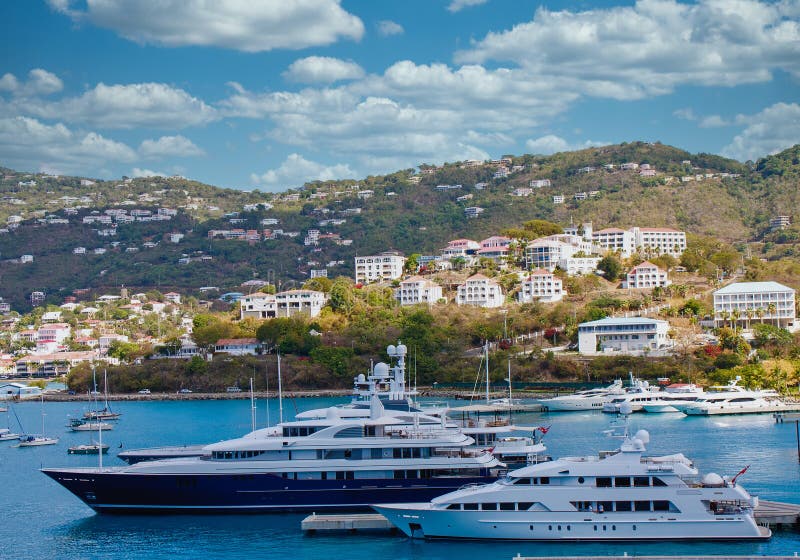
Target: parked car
x,y
144,392
184,391
233,390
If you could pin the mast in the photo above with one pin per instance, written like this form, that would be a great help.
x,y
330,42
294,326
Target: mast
x,y
266,381
509,390
486,350
280,392
252,408
99,444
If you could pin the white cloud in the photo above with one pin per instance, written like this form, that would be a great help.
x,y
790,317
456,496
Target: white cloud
x,y
296,170
322,69
166,146
139,172
650,48
245,25
26,143
458,5
387,27
686,114
39,82
772,130
550,144
151,105
713,121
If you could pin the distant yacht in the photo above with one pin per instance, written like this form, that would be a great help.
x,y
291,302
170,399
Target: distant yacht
x,y
637,395
590,399
620,495
675,394
733,399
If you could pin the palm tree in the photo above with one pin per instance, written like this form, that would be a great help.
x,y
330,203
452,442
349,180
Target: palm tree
x,y
735,313
772,309
760,314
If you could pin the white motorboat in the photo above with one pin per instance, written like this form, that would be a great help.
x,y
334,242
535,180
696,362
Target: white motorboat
x,y
637,395
90,426
619,495
590,399
733,399
677,393
7,435
88,449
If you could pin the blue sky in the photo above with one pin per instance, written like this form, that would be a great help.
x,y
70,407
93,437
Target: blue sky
x,y
269,94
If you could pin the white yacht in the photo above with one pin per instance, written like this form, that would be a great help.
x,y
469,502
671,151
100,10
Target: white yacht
x,y
677,393
7,435
733,399
637,395
618,495
590,399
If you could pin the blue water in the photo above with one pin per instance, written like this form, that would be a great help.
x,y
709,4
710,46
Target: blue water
x,y
42,520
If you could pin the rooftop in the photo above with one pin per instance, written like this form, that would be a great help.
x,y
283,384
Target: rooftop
x,y
753,287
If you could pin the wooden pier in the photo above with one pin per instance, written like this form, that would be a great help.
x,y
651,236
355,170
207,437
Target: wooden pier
x,y
774,514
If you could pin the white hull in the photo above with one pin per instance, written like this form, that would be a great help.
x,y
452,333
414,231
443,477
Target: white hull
x,y
37,442
92,427
734,408
572,404
582,526
654,408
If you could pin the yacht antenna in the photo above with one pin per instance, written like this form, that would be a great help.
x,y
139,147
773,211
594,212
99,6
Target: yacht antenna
x,y
280,392
509,389
252,407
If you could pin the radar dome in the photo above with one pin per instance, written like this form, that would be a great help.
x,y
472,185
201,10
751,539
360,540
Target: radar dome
x,y
332,413
643,435
402,350
625,408
382,369
391,350
713,480
361,378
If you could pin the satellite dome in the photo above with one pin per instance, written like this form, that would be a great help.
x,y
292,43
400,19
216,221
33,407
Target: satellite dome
x,y
402,350
361,378
713,480
625,408
332,413
391,350
643,435
381,369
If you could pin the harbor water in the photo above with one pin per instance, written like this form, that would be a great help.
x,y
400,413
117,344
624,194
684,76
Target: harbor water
x,y
42,520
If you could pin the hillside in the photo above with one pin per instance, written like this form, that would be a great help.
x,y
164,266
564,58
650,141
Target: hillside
x,y
700,193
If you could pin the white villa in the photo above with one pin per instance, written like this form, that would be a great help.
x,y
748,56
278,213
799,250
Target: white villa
x,y
646,275
379,268
765,302
652,241
416,290
283,304
541,285
626,335
480,291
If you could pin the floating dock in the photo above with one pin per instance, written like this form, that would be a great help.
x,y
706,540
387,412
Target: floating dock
x,y
775,514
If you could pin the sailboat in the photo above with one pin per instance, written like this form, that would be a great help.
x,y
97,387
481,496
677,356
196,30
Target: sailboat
x,y
36,440
104,413
5,433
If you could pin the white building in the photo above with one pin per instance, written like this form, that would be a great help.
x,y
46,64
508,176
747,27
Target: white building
x,y
547,252
238,346
660,241
480,291
646,275
626,335
541,285
473,211
539,183
764,302
379,268
615,239
297,302
416,290
460,248
558,199
257,306
579,266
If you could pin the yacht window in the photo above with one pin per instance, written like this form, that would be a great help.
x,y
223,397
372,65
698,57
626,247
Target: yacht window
x,y
507,506
641,506
471,507
623,506
489,507
581,480
658,482
454,506
621,481
524,506
603,482
605,507
544,480
660,505
641,481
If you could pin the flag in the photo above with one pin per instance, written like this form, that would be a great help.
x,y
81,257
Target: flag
x,y
544,429
488,450
741,472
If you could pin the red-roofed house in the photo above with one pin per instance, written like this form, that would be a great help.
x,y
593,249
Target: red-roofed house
x,y
541,285
480,291
646,275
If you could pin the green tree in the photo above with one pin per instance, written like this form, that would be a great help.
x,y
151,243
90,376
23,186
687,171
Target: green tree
x,y
610,267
